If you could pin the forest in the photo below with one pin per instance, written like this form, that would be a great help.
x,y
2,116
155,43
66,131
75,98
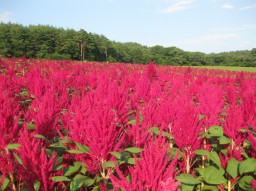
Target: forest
x,y
49,42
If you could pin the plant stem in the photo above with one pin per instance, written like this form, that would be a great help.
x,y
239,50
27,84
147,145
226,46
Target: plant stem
x,y
187,164
171,145
232,144
229,185
202,185
203,157
104,175
10,174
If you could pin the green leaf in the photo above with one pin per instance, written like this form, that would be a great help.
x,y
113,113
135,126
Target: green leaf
x,y
71,170
82,147
201,117
249,165
83,170
200,171
232,167
80,180
132,121
243,130
133,150
39,136
210,188
173,151
215,158
224,151
165,134
214,176
96,188
60,179
66,139
130,161
216,131
37,185
207,135
49,151
131,112
80,164
245,182
89,182
108,164
245,155
31,126
58,145
202,152
246,143
5,183
58,167
187,179
116,154
24,92
252,130
224,140
156,131
76,151
98,179
14,146
18,158
187,187
125,155
20,121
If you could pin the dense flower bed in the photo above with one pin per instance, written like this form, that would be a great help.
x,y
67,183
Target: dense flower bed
x,y
68,125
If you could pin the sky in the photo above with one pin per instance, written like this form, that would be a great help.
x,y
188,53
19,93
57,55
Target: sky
x,y
208,26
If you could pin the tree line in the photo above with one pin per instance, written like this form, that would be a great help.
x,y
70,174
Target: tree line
x,y
48,42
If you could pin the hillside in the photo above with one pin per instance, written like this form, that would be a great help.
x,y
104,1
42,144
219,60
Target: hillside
x,y
48,42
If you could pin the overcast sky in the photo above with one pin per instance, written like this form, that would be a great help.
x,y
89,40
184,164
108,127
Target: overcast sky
x,y
192,25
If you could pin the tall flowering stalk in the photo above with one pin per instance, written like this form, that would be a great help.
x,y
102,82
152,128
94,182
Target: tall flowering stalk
x,y
252,140
9,116
233,122
9,129
248,102
98,119
137,133
211,103
36,164
44,111
185,128
151,71
154,170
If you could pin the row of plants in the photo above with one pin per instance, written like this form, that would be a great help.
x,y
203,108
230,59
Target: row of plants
x,y
68,125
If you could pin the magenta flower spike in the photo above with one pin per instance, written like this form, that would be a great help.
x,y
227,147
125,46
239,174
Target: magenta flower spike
x,y
154,170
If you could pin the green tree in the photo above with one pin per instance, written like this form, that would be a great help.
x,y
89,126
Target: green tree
x,y
6,47
43,41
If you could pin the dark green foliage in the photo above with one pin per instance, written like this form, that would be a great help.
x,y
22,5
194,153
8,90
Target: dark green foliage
x,y
47,42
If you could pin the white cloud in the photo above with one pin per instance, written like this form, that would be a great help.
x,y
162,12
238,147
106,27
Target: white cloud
x,y
5,16
252,6
244,27
178,5
251,26
211,38
227,6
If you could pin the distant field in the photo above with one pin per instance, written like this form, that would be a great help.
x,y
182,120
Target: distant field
x,y
245,69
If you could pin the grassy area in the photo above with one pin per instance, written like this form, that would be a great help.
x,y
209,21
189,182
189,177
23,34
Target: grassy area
x,y
245,69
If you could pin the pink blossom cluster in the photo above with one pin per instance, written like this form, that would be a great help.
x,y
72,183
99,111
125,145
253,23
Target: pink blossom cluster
x,y
108,107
